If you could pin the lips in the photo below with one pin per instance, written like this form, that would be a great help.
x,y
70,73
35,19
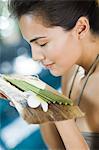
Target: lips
x,y
48,65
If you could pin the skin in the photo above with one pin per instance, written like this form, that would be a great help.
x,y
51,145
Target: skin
x,y
58,45
62,49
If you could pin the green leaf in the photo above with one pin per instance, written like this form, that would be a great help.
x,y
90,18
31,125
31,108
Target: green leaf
x,y
45,94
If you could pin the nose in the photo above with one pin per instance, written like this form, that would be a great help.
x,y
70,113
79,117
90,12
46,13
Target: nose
x,y
37,55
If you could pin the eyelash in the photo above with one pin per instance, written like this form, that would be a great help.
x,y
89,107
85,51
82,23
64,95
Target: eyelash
x,y
43,44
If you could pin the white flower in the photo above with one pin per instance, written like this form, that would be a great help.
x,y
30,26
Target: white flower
x,y
34,101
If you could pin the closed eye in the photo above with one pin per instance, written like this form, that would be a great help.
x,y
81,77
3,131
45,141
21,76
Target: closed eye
x,y
43,44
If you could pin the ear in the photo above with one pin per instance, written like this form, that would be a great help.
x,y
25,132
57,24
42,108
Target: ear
x,y
82,27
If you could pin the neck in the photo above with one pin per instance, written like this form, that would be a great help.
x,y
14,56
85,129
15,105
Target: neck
x,y
90,52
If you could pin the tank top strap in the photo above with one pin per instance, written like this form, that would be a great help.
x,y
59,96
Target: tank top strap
x,y
91,70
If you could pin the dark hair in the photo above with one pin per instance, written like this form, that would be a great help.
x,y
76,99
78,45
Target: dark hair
x,y
64,13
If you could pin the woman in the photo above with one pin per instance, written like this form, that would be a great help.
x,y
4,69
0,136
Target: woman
x,y
63,36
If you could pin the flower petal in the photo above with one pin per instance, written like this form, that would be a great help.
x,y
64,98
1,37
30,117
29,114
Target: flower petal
x,y
32,99
44,106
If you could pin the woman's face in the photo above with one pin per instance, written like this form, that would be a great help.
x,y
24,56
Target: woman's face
x,y
55,48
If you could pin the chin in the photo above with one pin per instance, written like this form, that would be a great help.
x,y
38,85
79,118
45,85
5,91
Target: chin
x,y
56,73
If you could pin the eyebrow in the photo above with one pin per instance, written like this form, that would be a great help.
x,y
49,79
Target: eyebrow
x,y
32,40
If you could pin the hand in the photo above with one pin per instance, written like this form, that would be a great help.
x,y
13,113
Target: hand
x,y
2,96
11,104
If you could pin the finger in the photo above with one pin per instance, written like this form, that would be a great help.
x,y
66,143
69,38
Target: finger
x,y
2,96
12,104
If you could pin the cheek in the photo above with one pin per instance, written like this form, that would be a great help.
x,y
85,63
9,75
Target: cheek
x,y
69,52
65,57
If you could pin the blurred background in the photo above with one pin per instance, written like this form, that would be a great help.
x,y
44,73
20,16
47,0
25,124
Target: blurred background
x,y
15,57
